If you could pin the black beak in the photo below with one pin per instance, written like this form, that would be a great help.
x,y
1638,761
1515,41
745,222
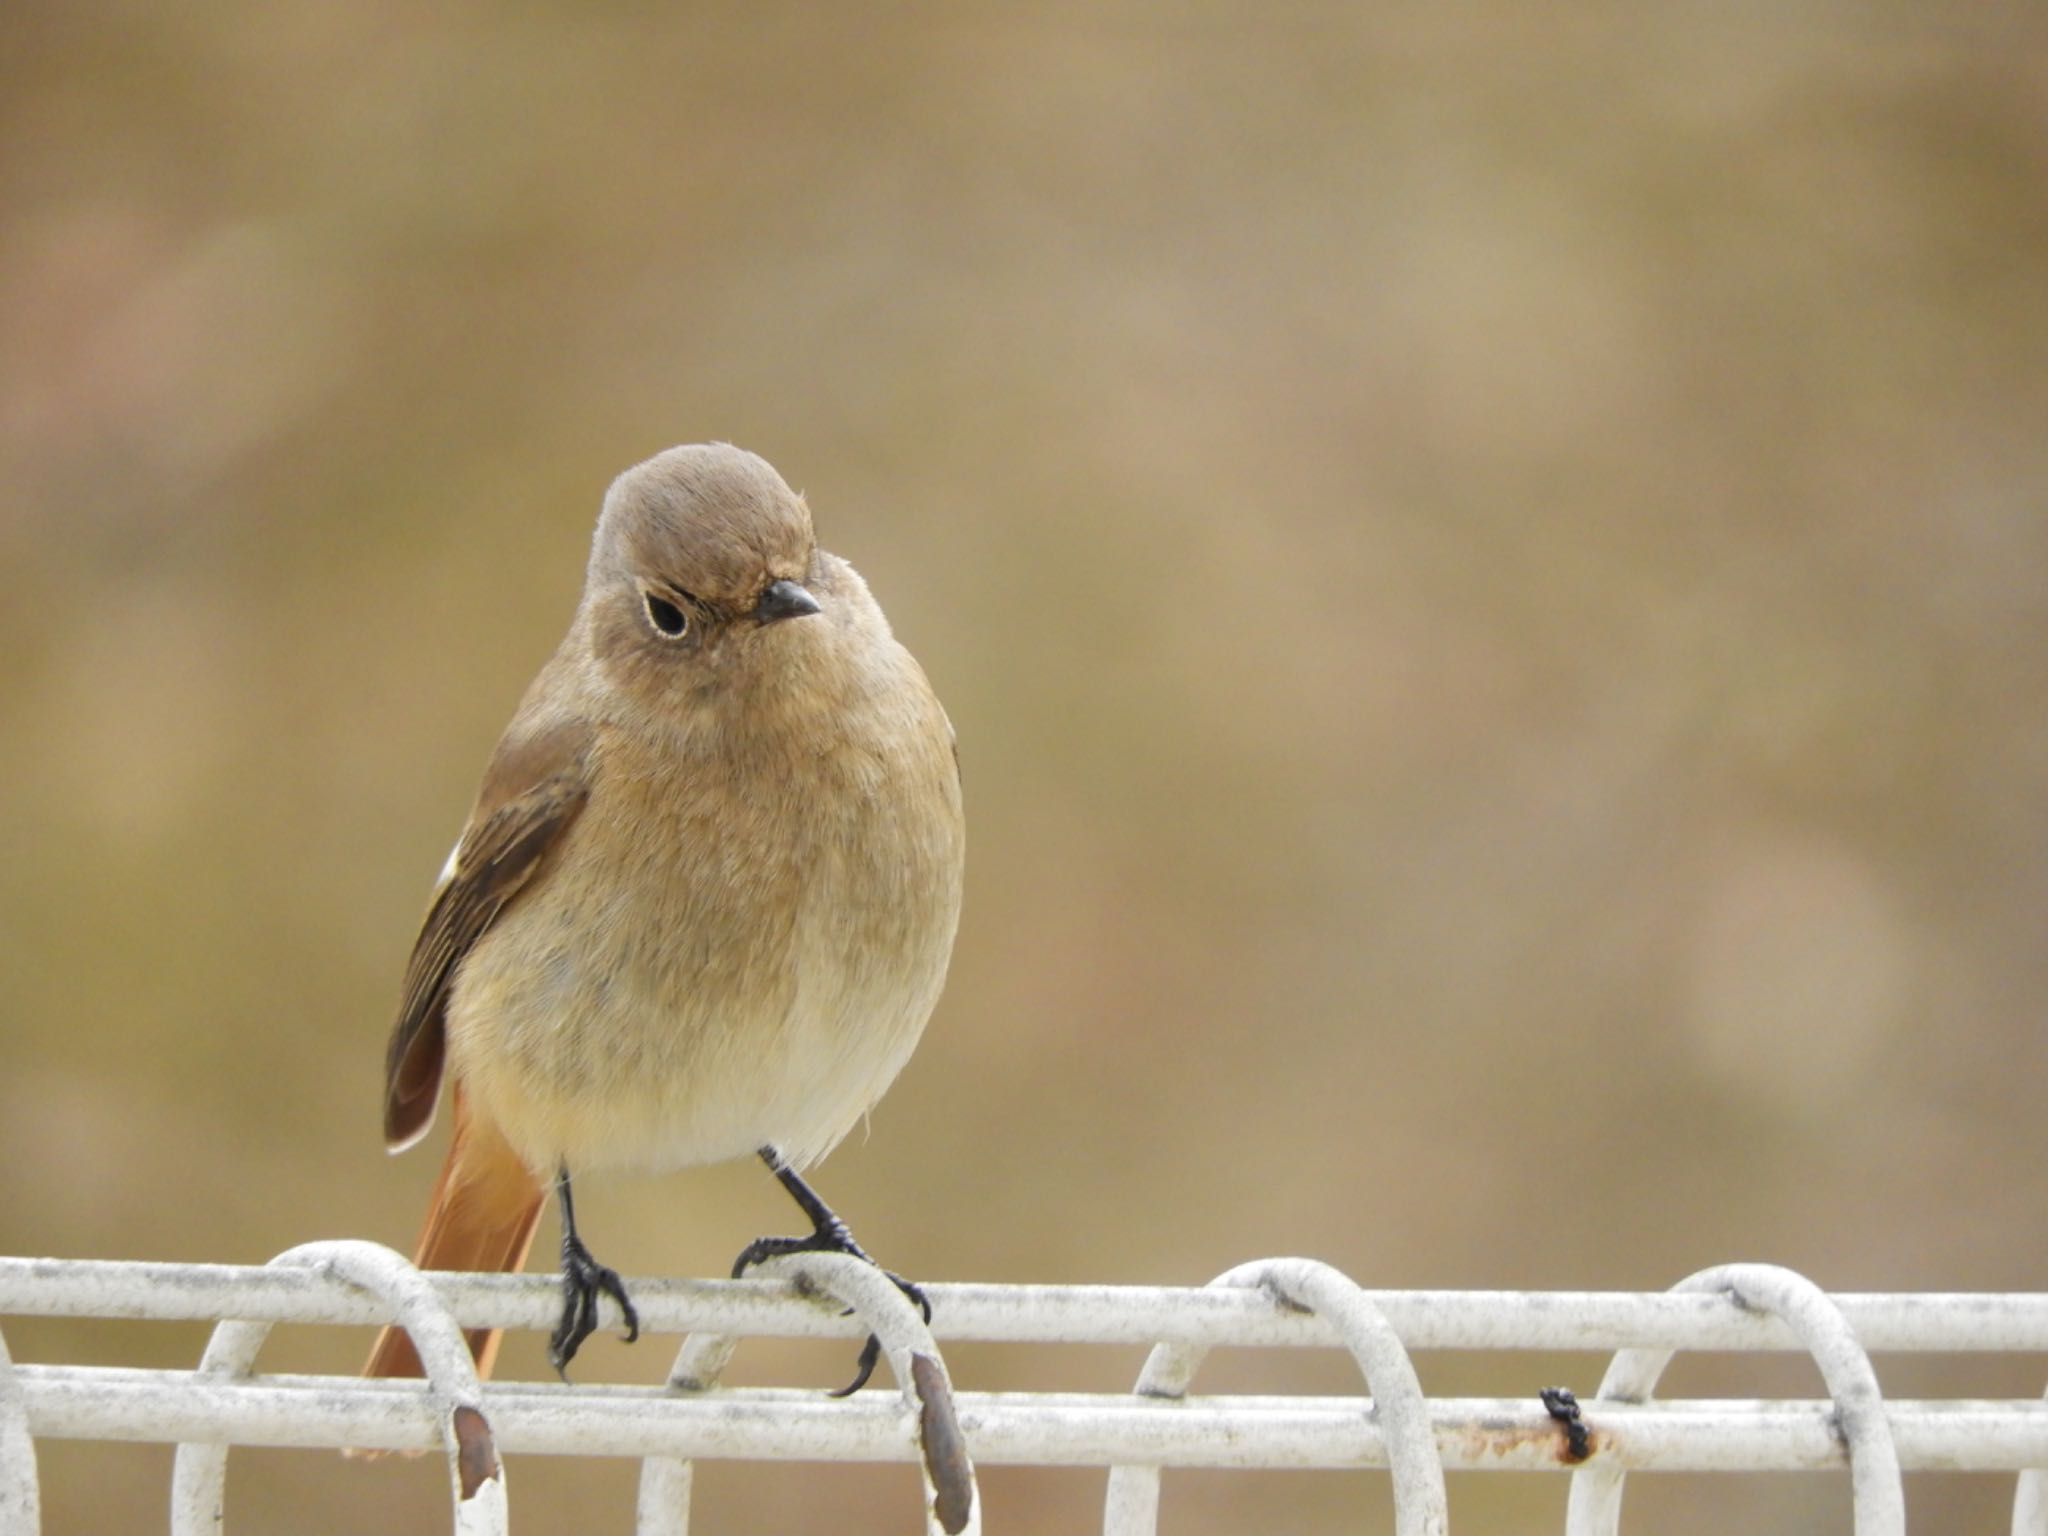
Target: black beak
x,y
784,600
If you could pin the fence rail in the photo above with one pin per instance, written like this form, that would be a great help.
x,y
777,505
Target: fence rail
x,y
1391,1427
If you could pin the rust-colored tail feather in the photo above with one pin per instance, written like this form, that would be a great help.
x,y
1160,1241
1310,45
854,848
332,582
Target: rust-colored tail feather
x,y
484,1211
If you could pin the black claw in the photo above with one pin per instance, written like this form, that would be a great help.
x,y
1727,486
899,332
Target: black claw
x,y
840,1241
871,1352
863,1368
909,1288
915,1292
829,1235
583,1281
764,1248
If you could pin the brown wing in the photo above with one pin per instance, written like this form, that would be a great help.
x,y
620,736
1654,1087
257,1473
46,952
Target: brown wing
x,y
532,791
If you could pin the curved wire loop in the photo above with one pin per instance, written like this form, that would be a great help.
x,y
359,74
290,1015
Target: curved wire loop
x,y
1131,1507
199,1474
1878,1496
20,1499
952,1499
665,1481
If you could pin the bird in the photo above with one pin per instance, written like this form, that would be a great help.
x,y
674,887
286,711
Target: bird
x,y
704,902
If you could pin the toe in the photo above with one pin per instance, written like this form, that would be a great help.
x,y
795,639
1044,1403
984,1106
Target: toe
x,y
870,1354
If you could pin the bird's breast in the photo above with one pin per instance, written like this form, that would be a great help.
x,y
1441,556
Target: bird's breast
x,y
732,948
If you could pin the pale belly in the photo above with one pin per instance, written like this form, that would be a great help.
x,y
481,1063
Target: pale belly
x,y
740,980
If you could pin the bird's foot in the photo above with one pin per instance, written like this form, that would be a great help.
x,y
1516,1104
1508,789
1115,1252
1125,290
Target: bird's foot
x,y
832,1236
583,1281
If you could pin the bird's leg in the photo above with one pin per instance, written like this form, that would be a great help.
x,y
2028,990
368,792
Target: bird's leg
x,y
583,1281
828,1235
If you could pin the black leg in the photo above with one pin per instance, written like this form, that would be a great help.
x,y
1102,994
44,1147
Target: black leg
x,y
583,1281
828,1235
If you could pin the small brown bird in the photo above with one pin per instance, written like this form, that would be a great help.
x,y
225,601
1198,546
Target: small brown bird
x,y
706,897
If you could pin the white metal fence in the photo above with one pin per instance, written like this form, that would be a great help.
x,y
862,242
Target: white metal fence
x,y
1391,1427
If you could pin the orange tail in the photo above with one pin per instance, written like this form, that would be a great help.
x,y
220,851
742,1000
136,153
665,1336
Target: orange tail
x,y
483,1216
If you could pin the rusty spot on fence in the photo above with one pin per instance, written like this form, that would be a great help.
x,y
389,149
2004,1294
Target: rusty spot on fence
x,y
1509,1441
945,1448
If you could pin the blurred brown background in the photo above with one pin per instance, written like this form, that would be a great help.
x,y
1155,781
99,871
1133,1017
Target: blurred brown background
x,y
1490,564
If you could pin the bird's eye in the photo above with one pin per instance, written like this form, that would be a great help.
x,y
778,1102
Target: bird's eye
x,y
666,617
